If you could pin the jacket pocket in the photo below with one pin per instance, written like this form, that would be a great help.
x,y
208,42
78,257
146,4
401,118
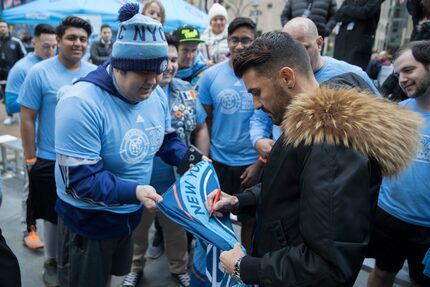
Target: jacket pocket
x,y
277,232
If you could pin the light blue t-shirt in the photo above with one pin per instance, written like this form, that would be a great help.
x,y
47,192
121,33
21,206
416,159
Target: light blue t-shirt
x,y
232,108
46,82
408,196
333,67
15,80
93,124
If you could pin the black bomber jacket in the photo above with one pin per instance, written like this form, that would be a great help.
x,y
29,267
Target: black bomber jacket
x,y
320,187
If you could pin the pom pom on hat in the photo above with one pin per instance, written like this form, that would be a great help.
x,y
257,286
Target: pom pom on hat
x,y
127,11
217,10
140,43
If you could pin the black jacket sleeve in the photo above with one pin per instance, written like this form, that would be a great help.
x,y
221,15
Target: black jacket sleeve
x,y
286,13
331,17
360,12
415,8
337,201
248,199
97,59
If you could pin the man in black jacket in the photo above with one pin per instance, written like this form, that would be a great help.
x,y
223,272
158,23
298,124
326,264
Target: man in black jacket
x,y
356,33
319,189
101,49
11,50
321,12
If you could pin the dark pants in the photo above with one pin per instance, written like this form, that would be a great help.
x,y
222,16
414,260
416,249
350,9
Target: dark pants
x,y
86,262
229,179
9,268
393,241
42,193
3,97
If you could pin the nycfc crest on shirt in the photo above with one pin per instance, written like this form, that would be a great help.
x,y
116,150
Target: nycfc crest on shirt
x,y
423,154
138,144
230,101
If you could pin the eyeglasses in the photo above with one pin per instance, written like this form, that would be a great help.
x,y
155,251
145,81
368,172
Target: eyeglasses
x,y
245,41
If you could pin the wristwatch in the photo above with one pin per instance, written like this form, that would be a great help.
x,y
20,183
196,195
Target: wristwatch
x,y
236,272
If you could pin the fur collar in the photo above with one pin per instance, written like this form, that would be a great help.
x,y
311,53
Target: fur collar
x,y
378,128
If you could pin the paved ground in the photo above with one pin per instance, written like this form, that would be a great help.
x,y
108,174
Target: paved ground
x,y
156,271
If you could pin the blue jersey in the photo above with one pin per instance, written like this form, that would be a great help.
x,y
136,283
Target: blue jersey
x,y
232,108
15,80
45,82
105,148
408,196
94,125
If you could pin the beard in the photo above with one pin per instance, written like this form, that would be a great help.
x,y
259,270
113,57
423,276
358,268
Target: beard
x,y
282,101
422,86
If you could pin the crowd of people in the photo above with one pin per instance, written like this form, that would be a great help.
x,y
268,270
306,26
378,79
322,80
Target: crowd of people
x,y
320,170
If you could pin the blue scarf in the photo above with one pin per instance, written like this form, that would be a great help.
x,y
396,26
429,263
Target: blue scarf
x,y
198,66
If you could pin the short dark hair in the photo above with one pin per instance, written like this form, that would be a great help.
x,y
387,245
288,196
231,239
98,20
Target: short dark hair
x,y
420,50
73,21
270,52
105,26
43,29
3,21
242,22
171,41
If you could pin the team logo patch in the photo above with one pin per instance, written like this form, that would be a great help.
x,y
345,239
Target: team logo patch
x,y
134,146
189,95
230,101
156,136
163,66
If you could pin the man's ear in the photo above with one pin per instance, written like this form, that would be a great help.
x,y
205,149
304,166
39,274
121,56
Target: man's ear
x,y
287,77
320,42
58,41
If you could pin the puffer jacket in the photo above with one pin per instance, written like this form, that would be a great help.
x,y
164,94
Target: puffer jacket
x,y
11,50
320,186
100,51
322,13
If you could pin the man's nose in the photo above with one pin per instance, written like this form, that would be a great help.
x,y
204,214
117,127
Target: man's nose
x,y
402,79
257,104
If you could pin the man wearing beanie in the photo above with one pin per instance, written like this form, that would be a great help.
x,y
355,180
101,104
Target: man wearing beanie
x,y
215,48
191,63
110,125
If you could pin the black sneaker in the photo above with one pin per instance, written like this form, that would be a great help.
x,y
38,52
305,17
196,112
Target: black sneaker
x,y
132,279
183,279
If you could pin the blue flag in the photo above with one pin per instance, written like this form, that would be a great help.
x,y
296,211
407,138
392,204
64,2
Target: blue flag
x,y
426,262
185,204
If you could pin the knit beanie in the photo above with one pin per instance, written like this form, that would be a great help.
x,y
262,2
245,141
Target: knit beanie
x,y
217,10
140,43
